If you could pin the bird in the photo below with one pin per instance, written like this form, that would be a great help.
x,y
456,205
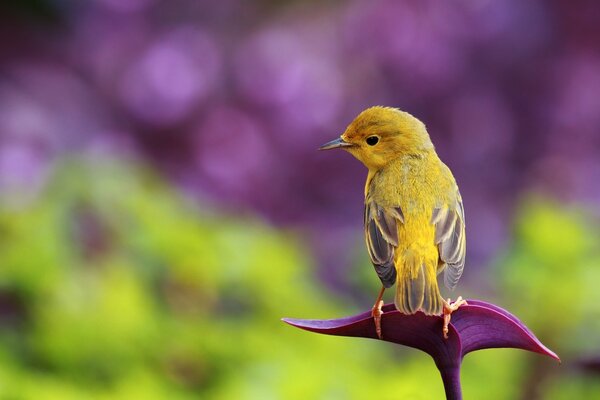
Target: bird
x,y
414,220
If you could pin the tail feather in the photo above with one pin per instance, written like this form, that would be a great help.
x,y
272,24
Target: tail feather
x,y
418,291
432,300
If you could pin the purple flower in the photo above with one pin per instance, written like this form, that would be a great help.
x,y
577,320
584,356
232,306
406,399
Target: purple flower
x,y
172,76
475,326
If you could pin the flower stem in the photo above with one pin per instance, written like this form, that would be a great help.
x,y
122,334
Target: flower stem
x,y
451,378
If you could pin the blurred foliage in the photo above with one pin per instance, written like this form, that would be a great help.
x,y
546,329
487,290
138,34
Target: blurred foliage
x,y
114,286
554,264
549,278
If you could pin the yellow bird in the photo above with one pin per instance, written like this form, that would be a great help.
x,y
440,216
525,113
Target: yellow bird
x,y
414,217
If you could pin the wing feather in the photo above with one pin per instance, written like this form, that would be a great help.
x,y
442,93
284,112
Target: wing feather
x,y
386,222
381,233
445,227
450,238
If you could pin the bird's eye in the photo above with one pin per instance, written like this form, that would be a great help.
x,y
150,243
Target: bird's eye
x,y
372,140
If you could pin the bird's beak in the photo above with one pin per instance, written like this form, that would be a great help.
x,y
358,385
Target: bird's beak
x,y
334,144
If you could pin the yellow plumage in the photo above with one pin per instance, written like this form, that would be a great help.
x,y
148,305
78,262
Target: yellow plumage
x,y
414,218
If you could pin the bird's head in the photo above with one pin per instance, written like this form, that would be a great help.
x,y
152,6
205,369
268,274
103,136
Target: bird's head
x,y
381,134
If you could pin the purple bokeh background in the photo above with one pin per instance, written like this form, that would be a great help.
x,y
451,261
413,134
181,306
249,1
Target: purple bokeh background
x,y
230,99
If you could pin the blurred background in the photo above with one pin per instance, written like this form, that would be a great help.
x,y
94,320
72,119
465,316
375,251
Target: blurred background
x,y
162,204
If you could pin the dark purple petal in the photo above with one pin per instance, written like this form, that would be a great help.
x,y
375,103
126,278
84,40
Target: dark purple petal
x,y
418,331
485,326
500,310
476,326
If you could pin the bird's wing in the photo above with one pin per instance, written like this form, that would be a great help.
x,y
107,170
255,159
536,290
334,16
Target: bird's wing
x,y
381,233
450,238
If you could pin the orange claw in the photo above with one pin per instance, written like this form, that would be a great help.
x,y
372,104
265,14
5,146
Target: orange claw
x,y
376,313
449,308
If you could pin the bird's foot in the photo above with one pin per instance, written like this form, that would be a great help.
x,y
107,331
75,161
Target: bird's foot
x,y
449,308
377,313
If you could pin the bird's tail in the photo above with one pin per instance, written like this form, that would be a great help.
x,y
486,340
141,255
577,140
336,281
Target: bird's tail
x,y
417,287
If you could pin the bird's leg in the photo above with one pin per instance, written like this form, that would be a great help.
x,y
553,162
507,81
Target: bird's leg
x,y
376,312
449,308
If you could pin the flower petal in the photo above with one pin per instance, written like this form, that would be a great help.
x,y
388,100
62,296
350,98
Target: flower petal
x,y
418,331
476,326
486,326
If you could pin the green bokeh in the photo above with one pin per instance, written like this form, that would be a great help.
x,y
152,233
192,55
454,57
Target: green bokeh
x,y
115,287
